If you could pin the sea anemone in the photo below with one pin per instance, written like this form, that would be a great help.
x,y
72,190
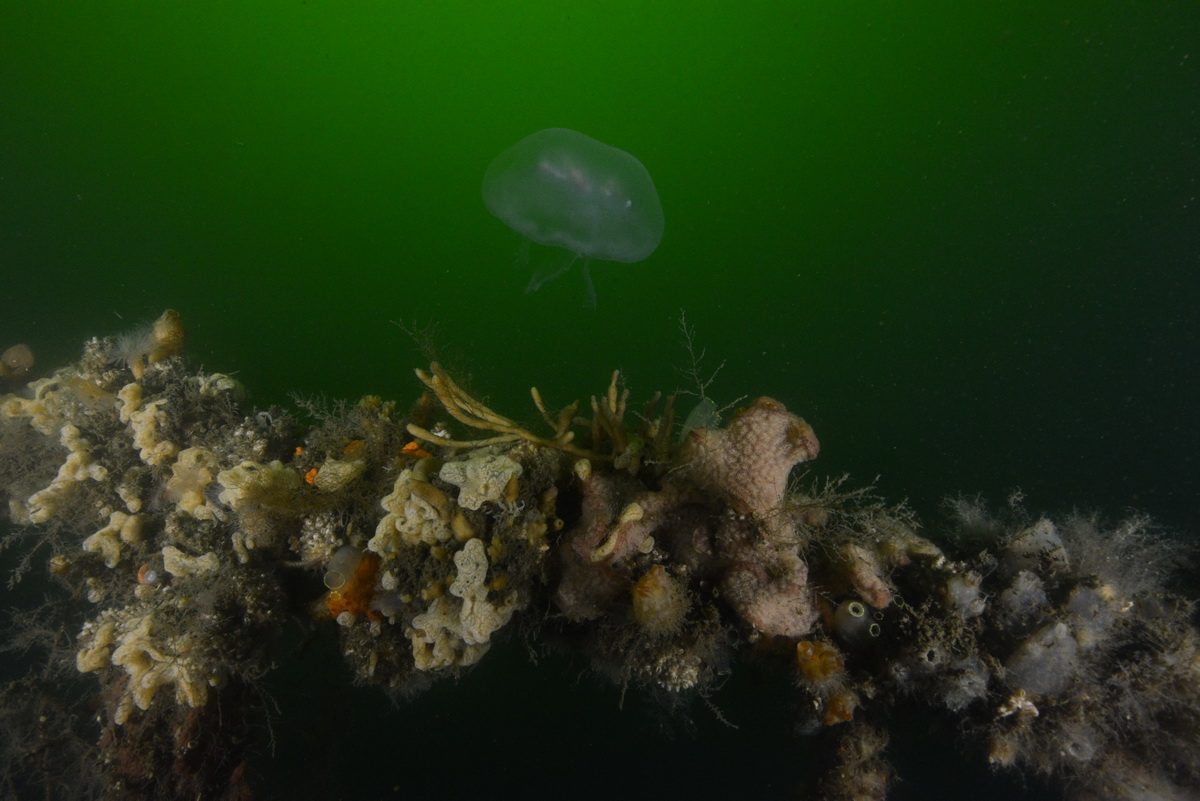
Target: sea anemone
x,y
150,344
660,602
819,662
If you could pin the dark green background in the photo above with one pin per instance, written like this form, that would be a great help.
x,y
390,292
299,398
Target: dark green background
x,y
960,238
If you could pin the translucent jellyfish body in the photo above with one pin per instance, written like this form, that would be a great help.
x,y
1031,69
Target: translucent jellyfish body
x,y
563,189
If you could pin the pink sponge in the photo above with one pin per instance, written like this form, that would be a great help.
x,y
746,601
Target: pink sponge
x,y
749,460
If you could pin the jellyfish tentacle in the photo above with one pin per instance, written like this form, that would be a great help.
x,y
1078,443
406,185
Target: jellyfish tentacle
x,y
550,272
588,287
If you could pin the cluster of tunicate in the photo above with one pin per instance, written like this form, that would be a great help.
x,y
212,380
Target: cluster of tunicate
x,y
716,553
1044,657
697,559
193,530
855,767
820,668
964,594
483,478
458,543
135,522
854,625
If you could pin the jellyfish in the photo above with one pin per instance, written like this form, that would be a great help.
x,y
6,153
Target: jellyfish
x,y
563,189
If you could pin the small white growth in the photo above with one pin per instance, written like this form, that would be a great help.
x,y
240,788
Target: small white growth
x,y
435,639
1039,541
217,384
129,400
480,479
319,539
45,504
964,596
480,619
146,424
335,475
192,472
966,683
417,513
453,632
252,484
43,410
129,492
99,647
1024,597
1091,616
1046,663
1017,704
150,660
253,490
674,669
180,564
121,529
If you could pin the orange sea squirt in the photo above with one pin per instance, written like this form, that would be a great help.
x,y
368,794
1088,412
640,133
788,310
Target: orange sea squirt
x,y
413,450
354,596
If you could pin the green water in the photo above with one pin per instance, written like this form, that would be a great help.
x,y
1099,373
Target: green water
x,y
960,238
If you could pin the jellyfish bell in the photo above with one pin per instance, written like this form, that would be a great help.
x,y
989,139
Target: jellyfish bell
x,y
562,189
